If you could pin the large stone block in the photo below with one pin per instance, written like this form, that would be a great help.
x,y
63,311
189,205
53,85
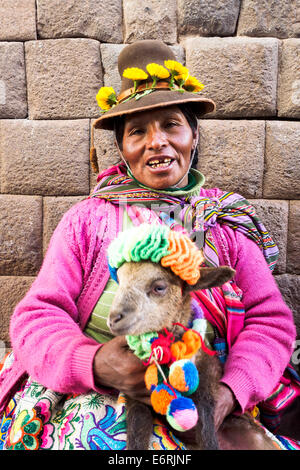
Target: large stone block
x,y
208,17
12,290
293,245
20,235
289,286
282,169
226,149
274,216
150,19
289,79
88,18
45,157
17,19
63,78
53,210
13,101
274,18
109,55
107,153
239,74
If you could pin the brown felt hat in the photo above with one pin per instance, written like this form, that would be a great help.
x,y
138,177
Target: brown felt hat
x,y
140,54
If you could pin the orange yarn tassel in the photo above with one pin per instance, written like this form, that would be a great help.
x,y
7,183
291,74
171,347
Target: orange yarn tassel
x,y
192,342
184,258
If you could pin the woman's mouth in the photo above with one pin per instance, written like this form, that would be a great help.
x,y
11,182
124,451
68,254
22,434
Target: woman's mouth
x,y
160,162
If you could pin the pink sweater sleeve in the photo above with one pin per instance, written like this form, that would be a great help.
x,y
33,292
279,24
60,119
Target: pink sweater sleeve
x,y
263,349
44,329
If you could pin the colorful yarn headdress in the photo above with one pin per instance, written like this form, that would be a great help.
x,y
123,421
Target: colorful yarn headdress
x,y
171,375
159,244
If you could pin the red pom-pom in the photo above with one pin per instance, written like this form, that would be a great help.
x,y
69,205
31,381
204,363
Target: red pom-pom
x,y
161,349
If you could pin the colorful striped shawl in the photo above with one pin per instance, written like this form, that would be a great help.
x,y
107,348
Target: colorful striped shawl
x,y
195,214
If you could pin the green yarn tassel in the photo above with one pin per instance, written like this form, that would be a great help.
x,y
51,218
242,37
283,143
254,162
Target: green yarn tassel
x,y
141,344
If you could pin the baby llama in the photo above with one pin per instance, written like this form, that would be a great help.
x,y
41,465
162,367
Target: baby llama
x,y
156,269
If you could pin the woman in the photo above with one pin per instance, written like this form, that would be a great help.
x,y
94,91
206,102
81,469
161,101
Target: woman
x,y
60,387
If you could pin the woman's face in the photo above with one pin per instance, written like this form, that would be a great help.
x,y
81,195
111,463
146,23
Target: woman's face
x,y
157,145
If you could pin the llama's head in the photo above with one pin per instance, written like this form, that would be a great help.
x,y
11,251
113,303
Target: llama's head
x,y
156,269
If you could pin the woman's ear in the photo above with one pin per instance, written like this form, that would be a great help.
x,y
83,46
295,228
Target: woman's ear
x,y
210,277
195,137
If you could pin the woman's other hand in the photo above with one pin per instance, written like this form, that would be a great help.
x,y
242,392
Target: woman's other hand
x,y
117,367
225,404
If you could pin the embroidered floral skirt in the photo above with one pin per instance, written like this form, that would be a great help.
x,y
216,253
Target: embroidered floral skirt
x,y
39,418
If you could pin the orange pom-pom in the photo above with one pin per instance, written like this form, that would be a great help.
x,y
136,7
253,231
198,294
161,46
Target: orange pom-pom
x,y
177,377
192,341
188,347
151,377
178,350
161,397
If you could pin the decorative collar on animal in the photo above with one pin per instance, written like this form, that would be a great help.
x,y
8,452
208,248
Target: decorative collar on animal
x,y
159,244
171,376
161,347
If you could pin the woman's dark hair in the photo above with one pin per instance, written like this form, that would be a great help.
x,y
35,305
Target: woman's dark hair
x,y
192,120
186,111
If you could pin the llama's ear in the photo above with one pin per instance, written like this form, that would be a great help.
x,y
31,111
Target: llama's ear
x,y
211,277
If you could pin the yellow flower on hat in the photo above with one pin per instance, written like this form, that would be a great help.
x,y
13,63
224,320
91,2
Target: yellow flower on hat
x,y
157,71
193,85
179,73
106,97
176,68
135,74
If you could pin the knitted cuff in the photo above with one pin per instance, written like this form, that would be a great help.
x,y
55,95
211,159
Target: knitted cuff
x,y
241,386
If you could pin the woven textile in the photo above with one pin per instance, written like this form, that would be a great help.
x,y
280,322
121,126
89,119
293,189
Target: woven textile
x,y
196,214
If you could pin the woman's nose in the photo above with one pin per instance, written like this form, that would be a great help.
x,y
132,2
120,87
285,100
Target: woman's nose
x,y
156,139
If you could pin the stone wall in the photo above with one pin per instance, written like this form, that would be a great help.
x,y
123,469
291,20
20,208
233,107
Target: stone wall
x,y
55,55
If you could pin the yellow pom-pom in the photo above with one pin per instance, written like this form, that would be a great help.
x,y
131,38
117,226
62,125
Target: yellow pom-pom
x,y
134,73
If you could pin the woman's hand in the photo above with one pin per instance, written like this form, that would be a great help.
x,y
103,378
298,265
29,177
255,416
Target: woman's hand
x,y
117,367
225,404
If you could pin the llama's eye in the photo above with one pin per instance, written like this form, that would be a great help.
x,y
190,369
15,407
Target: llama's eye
x,y
159,289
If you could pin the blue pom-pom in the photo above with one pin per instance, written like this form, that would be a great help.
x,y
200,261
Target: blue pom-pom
x,y
182,414
113,273
184,376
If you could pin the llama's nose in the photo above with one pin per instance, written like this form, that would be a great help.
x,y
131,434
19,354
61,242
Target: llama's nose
x,y
120,318
115,318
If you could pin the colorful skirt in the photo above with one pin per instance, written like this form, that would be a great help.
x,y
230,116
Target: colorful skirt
x,y
38,418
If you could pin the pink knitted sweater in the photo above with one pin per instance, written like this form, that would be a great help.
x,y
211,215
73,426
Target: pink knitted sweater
x,y
47,325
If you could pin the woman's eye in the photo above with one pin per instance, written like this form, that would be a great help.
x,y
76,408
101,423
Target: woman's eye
x,y
171,124
136,132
